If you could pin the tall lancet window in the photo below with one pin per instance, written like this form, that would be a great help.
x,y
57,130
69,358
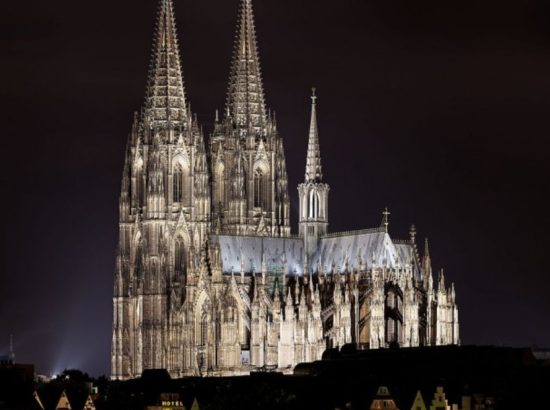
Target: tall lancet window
x,y
220,185
138,262
260,189
178,183
179,257
314,211
203,336
138,185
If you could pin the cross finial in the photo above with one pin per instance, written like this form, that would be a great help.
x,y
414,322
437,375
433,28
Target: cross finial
x,y
412,232
313,95
386,214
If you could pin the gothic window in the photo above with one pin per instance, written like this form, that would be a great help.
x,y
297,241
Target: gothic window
x,y
178,183
179,257
181,184
139,186
220,188
390,326
390,300
260,189
314,205
204,326
138,262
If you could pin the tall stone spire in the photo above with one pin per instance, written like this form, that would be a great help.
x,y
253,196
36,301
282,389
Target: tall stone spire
x,y
314,171
165,98
313,193
245,99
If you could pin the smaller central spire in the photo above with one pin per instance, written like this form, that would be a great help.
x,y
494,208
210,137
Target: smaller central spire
x,y
314,172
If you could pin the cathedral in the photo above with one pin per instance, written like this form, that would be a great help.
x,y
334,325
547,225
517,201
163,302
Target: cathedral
x,y
209,279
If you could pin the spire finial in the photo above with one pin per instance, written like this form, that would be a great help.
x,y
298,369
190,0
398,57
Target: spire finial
x,y
313,95
412,233
386,214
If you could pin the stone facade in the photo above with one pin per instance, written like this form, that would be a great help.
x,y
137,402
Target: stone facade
x,y
209,279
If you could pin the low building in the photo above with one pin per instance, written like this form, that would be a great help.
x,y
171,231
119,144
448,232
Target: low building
x,y
168,401
383,400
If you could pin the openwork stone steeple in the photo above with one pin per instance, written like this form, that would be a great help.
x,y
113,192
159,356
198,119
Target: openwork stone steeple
x,y
314,171
165,99
313,193
245,99
246,149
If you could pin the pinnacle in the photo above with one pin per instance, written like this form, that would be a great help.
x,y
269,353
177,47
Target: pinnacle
x,y
426,248
165,97
245,100
314,171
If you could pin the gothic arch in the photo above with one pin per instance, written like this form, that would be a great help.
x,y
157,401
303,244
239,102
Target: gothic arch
x,y
219,180
203,317
138,183
314,205
261,185
180,256
393,314
181,180
181,159
137,254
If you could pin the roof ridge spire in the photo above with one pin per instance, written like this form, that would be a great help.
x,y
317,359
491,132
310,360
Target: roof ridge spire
x,y
245,98
165,100
314,172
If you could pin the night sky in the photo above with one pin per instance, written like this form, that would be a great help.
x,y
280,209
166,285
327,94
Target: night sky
x,y
436,109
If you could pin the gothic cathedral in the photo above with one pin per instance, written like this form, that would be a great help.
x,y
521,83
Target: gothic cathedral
x,y
209,279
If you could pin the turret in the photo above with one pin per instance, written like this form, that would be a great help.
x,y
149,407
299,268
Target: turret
x,y
313,193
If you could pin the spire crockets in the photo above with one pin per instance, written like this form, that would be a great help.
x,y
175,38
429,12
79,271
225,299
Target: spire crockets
x,y
245,99
314,171
165,99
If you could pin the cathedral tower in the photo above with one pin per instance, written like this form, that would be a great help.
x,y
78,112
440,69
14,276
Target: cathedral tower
x,y
313,193
250,184
164,211
222,289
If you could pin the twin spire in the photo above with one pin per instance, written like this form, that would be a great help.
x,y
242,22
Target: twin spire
x,y
245,97
314,172
166,101
165,98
